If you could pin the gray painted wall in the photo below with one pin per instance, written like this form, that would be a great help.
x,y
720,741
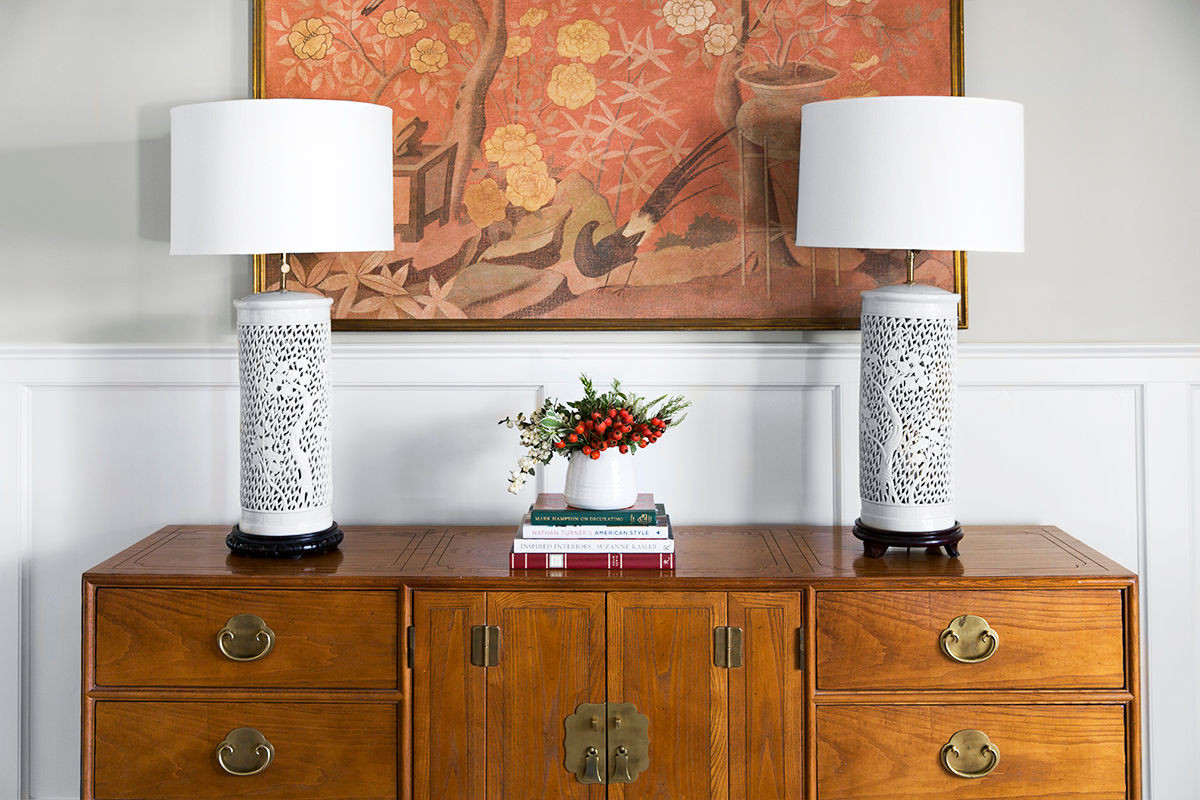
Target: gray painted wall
x,y
1110,90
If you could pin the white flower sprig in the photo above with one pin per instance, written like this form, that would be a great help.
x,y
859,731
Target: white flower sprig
x,y
539,432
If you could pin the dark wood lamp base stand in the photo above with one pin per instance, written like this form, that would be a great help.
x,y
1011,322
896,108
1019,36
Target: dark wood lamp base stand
x,y
304,544
876,542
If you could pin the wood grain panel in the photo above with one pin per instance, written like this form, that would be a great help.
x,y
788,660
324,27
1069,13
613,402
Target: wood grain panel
x,y
891,752
766,697
168,637
449,719
551,660
1049,639
660,658
152,750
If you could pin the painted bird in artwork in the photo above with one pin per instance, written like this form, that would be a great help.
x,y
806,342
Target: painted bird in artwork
x,y
371,6
620,247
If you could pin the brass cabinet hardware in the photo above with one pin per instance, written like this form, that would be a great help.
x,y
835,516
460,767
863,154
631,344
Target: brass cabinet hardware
x,y
969,754
727,647
591,768
628,741
621,766
245,751
969,639
625,735
485,645
585,743
245,637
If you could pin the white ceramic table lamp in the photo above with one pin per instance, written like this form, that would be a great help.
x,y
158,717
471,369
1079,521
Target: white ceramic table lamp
x,y
910,173
282,176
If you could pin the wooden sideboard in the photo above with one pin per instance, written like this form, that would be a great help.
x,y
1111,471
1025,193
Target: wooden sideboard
x,y
774,662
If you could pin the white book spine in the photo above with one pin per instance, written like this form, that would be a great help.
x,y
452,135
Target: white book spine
x,y
593,546
560,532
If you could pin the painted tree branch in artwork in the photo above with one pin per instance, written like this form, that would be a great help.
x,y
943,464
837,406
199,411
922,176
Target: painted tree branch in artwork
x,y
593,160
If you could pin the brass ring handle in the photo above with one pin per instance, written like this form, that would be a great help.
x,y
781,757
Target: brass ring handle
x,y
245,751
245,637
969,639
972,753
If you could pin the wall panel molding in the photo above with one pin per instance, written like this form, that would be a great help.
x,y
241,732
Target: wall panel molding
x,y
1122,420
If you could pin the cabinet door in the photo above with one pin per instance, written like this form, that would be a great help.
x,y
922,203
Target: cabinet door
x,y
766,698
660,658
449,715
551,660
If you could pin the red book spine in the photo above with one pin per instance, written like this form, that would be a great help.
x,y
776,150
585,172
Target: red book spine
x,y
591,561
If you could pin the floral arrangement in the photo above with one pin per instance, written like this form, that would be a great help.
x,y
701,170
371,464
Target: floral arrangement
x,y
591,425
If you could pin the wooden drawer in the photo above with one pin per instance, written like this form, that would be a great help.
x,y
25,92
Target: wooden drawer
x,y
1047,639
150,750
894,752
168,637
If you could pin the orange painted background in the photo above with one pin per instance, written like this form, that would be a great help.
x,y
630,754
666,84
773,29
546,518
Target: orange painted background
x,y
601,161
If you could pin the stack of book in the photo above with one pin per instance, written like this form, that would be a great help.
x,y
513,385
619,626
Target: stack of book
x,y
554,535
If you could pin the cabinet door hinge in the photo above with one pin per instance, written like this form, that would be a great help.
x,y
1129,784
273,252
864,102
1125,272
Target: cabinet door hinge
x,y
411,643
485,645
727,647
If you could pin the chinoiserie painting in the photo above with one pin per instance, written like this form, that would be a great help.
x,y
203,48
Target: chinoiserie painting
x,y
621,163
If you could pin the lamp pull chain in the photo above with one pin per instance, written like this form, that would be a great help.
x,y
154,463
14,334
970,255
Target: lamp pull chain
x,y
284,269
912,257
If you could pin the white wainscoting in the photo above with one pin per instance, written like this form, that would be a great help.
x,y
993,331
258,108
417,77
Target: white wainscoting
x,y
103,446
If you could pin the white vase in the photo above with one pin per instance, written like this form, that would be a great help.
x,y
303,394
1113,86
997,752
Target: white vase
x,y
601,483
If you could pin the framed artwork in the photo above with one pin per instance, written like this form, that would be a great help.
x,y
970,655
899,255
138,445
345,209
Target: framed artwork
x,y
594,164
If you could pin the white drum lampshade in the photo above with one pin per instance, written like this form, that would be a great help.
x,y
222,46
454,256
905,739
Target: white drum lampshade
x,y
910,173
282,176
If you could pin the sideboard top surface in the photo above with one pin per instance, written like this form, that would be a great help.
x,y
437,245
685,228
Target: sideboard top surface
x,y
758,555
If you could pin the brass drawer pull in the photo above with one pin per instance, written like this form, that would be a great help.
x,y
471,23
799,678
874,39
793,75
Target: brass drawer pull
x,y
245,637
969,640
970,754
245,751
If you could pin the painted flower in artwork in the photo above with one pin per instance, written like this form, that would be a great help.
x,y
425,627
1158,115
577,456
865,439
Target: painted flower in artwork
x,y
571,85
461,32
518,46
838,3
400,22
719,39
861,88
428,55
534,17
583,39
485,202
511,145
863,59
530,185
688,16
310,38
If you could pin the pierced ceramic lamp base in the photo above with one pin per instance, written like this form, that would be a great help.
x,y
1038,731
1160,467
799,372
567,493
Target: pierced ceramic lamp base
x,y
308,544
286,486
906,430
